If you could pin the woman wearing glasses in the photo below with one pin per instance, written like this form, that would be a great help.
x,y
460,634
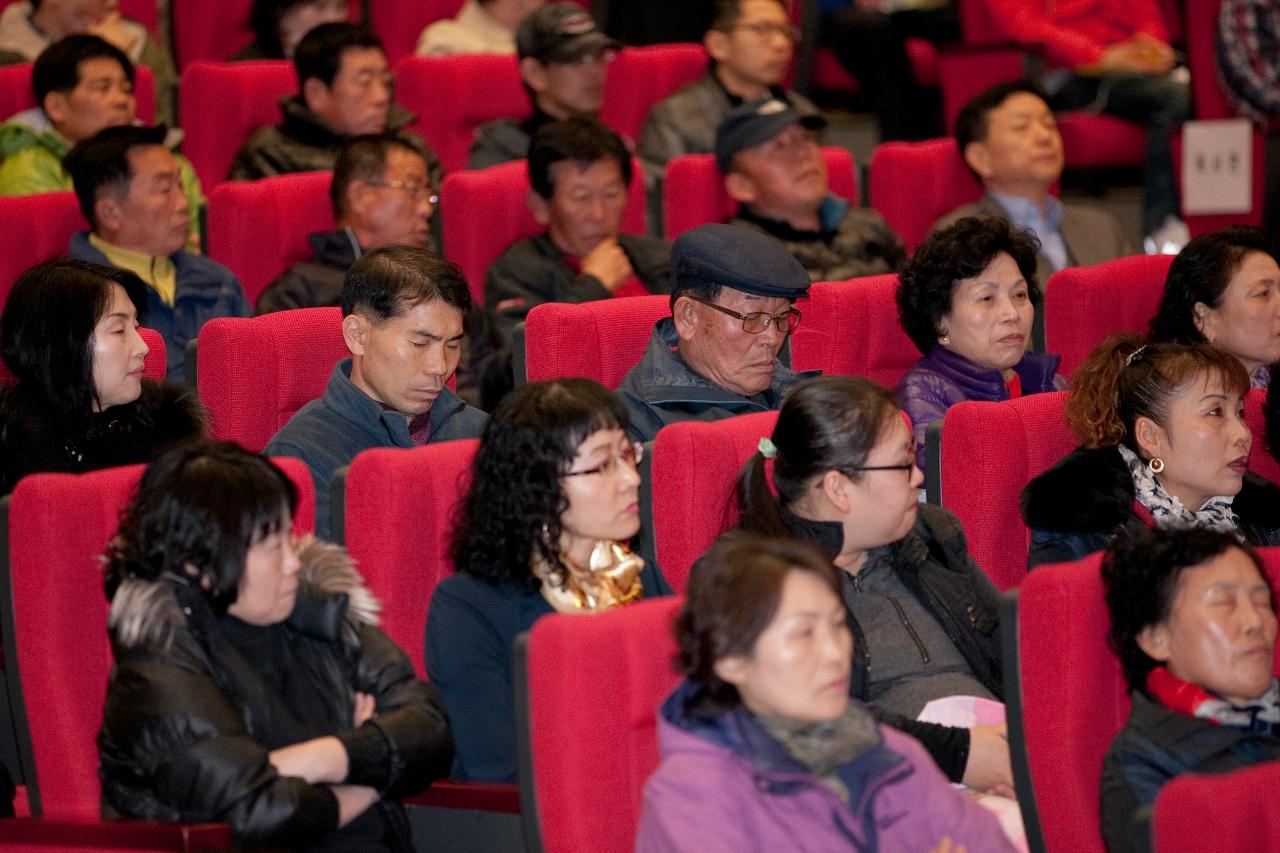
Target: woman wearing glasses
x,y
544,526
967,301
846,480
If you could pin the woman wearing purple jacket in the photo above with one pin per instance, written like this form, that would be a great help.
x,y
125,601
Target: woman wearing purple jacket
x,y
762,749
967,301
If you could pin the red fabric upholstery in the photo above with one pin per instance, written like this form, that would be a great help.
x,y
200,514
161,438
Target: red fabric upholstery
x,y
695,474
828,73
255,372
481,88
1212,813
602,340
1261,458
36,228
914,184
154,366
16,94
259,228
58,525
693,191
222,104
399,22
1096,141
594,689
641,76
209,32
486,212
851,328
1206,88
990,451
1084,305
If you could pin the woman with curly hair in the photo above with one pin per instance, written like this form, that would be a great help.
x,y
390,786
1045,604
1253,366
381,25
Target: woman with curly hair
x,y
554,498
967,301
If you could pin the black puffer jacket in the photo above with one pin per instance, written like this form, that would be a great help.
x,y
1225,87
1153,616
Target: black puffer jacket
x,y
182,734
35,439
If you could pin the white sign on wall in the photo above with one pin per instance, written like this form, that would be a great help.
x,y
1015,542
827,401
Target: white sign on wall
x,y
1217,166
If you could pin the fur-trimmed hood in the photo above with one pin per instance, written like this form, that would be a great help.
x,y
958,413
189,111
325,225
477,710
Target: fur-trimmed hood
x,y
332,601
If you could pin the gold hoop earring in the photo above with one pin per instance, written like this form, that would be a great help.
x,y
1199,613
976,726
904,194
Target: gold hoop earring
x,y
1156,464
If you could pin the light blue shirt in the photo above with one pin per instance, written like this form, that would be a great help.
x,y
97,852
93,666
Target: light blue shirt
x,y
1025,213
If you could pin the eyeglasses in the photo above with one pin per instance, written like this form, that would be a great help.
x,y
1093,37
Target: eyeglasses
x,y
757,321
907,467
412,189
764,29
600,57
632,454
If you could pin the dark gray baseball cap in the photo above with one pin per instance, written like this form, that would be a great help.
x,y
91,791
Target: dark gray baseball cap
x,y
755,123
560,32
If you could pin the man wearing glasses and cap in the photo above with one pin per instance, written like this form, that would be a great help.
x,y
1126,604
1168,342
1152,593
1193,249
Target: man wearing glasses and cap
x,y
563,60
716,356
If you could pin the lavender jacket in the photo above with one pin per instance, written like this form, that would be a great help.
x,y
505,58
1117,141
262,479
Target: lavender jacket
x,y
942,378
726,785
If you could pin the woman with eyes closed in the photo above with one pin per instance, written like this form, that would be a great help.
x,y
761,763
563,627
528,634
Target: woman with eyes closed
x,y
846,480
967,300
554,499
1164,444
69,334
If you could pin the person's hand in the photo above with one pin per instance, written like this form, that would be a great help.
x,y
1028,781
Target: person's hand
x,y
1142,54
1156,55
988,768
608,264
353,801
318,761
366,708
946,845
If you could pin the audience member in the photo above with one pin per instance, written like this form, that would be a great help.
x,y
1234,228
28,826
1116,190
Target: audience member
x,y
751,43
381,196
1164,445
1009,140
967,301
1224,289
345,91
251,684
846,480
481,26
82,84
563,60
278,25
774,169
27,27
403,314
553,501
762,744
69,336
733,296
580,171
129,188
1193,622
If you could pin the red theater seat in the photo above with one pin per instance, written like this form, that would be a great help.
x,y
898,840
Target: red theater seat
x,y
601,340
212,32
641,76
851,328
16,94
1212,813
914,184
1262,460
36,228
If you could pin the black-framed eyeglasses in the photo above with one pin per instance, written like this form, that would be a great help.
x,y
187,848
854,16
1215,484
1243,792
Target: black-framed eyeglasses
x,y
632,454
907,467
757,321
412,189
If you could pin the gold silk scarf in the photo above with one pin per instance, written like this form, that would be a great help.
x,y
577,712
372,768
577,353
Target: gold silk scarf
x,y
611,579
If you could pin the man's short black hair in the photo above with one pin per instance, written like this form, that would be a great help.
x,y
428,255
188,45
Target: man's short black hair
x,y
57,68
363,158
319,54
101,163
581,139
973,121
393,279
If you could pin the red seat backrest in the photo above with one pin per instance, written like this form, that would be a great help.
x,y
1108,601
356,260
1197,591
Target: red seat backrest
x,y
1214,812
990,451
1201,28
399,522
480,88
641,76
1262,459
695,476
36,228
914,184
601,340
693,190
399,23
222,103
594,687
154,366
209,32
851,328
16,94
259,228
58,525
485,212
1085,305
254,373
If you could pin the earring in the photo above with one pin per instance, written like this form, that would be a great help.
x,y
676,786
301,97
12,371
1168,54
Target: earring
x,y
945,339
1156,464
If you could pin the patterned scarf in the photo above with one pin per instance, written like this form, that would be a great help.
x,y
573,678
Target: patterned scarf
x,y
1168,511
610,579
1260,715
822,748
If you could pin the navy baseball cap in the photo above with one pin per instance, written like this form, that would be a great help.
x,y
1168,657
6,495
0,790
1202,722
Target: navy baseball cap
x,y
560,32
755,123
736,257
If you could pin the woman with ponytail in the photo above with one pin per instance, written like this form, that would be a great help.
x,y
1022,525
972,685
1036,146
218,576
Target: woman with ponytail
x,y
1164,445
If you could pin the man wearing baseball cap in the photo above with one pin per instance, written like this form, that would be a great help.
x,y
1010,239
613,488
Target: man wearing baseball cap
x,y
774,169
563,60
732,309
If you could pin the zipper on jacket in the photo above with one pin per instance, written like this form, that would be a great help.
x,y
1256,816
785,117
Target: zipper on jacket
x,y
906,623
973,617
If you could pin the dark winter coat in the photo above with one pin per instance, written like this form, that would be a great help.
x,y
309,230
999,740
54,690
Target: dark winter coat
x,y
316,283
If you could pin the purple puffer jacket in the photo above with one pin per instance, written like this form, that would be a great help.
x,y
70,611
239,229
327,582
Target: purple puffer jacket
x,y
942,378
725,785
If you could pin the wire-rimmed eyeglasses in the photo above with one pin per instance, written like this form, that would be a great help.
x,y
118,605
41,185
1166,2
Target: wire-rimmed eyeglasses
x,y
757,321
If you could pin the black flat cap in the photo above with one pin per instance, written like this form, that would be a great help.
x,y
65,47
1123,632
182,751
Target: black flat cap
x,y
741,258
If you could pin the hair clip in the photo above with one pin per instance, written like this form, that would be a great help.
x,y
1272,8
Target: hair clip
x,y
767,448
1134,356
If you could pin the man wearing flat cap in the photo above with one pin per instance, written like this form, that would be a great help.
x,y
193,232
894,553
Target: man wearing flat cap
x,y
732,309
563,60
774,169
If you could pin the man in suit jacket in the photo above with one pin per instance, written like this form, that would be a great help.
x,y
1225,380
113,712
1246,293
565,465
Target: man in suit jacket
x,y
1010,141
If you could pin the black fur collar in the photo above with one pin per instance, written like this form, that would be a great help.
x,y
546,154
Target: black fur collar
x,y
1089,490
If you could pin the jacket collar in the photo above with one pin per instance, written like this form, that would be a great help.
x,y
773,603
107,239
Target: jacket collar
x,y
1036,370
1089,490
342,396
909,552
191,278
337,248
830,213
1193,740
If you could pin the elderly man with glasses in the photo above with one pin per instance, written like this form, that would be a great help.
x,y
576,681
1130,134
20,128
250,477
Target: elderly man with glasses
x,y
716,356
